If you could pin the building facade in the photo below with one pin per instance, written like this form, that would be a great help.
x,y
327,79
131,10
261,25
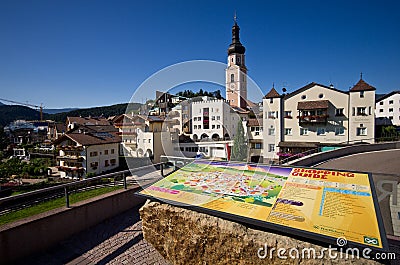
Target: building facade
x,y
388,107
315,116
85,153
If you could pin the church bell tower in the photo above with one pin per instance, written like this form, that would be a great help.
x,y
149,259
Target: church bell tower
x,y
236,72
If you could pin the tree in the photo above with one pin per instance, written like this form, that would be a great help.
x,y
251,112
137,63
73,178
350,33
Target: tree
x,y
239,150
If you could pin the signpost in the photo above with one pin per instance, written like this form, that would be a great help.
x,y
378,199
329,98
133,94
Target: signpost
x,y
320,204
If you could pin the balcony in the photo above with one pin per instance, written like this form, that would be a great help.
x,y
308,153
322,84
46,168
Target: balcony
x,y
313,119
67,158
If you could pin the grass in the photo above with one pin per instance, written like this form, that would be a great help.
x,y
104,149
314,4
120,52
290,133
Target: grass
x,y
53,204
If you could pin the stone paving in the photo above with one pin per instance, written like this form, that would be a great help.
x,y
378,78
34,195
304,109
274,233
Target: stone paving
x,y
118,240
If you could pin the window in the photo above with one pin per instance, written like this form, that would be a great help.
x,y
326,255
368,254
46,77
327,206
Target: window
x,y
199,118
381,110
361,131
195,127
93,154
361,94
258,146
213,118
271,100
390,117
288,114
112,151
288,131
195,119
199,127
339,131
354,111
218,126
303,131
106,152
94,164
390,109
149,140
113,162
272,114
303,97
271,148
271,131
320,131
218,118
321,95
381,103
361,111
232,78
390,102
106,164
339,112
213,126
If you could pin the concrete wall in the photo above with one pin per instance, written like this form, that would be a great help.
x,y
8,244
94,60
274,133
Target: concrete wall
x,y
354,149
40,232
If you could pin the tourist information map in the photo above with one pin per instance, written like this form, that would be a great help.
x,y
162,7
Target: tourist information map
x,y
327,203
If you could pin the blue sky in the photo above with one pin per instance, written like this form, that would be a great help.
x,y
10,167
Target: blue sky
x,y
93,53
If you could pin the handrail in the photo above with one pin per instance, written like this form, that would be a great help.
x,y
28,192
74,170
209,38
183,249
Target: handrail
x,y
316,150
75,183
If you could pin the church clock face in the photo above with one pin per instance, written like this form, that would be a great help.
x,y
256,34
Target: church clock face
x,y
232,87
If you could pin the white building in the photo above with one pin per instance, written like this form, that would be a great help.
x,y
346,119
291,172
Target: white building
x,y
84,153
255,138
388,107
213,119
315,116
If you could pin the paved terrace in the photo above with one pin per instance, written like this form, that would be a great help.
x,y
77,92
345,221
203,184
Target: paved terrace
x,y
118,240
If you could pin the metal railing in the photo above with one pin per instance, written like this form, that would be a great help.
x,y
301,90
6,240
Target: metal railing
x,y
24,200
341,144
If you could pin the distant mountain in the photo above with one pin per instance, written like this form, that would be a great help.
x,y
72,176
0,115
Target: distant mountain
x,y
1,104
54,111
106,111
9,113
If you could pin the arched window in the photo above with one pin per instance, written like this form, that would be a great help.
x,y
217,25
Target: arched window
x,y
232,78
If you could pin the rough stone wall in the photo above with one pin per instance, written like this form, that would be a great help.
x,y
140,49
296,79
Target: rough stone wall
x,y
187,237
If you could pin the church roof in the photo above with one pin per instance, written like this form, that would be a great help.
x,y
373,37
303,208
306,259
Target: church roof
x,y
362,86
236,46
272,94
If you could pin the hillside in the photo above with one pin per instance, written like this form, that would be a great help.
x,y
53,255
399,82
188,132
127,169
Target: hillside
x,y
9,113
54,111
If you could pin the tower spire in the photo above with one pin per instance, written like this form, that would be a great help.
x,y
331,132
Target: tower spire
x,y
235,18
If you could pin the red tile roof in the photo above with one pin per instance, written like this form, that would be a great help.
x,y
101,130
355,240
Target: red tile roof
x,y
253,122
88,121
362,86
86,139
318,104
272,94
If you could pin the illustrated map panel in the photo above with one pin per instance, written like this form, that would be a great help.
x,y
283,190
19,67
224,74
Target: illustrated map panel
x,y
323,202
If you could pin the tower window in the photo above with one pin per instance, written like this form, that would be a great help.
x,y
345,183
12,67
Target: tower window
x,y
232,78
